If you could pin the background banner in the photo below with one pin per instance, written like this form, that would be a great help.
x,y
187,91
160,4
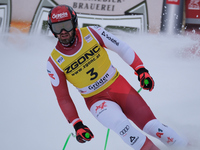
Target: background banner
x,y
134,19
151,14
23,16
5,15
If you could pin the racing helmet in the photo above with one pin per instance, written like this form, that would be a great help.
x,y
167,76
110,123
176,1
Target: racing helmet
x,y
62,17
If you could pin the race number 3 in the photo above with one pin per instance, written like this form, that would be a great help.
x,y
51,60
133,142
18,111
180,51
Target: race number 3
x,y
92,73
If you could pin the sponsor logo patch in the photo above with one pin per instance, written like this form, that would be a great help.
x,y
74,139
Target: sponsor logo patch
x,y
60,16
101,106
159,133
60,60
110,38
124,131
88,38
170,140
52,74
133,139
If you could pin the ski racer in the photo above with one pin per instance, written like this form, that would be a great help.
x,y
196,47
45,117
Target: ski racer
x,y
80,57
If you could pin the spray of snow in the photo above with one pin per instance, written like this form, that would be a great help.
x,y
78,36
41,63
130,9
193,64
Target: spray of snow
x,y
31,118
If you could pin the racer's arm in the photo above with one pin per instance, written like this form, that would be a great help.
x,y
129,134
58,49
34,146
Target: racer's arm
x,y
111,42
59,84
65,102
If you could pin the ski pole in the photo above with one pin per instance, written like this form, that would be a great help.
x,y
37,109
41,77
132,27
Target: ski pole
x,y
106,139
68,139
108,131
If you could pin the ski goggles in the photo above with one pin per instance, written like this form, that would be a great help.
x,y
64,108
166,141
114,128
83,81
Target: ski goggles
x,y
64,25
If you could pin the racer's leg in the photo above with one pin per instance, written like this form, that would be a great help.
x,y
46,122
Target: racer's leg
x,y
111,116
136,109
165,134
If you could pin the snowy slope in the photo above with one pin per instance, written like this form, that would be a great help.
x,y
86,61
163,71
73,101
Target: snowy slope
x,y
30,117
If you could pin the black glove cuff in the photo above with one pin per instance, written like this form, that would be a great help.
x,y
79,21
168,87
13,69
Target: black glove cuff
x,y
141,70
78,125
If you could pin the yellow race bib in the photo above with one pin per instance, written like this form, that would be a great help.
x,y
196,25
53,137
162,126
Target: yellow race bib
x,y
89,69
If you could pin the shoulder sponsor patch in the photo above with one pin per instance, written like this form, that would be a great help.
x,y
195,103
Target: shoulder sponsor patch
x,y
60,60
88,38
52,74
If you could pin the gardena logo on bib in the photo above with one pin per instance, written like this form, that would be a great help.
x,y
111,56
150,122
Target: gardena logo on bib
x,y
60,16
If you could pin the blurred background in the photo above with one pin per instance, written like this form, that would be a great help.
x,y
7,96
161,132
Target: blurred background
x,y
171,16
23,12
164,33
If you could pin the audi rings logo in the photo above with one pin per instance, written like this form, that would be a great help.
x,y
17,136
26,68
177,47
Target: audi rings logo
x,y
125,130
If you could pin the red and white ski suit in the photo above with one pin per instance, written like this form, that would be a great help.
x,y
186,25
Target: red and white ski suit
x,y
108,96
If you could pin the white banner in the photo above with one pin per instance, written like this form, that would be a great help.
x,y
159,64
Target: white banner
x,y
102,7
132,19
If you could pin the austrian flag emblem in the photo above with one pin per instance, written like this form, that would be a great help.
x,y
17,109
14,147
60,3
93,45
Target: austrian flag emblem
x,y
101,106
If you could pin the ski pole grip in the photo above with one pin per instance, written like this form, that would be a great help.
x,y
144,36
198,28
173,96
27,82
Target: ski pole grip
x,y
146,82
87,135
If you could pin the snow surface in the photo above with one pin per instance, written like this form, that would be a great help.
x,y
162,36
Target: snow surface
x,y
30,118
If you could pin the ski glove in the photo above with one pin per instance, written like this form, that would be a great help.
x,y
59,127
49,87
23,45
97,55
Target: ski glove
x,y
143,75
83,133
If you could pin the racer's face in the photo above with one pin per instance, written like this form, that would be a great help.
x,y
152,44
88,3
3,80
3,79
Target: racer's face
x,y
65,37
